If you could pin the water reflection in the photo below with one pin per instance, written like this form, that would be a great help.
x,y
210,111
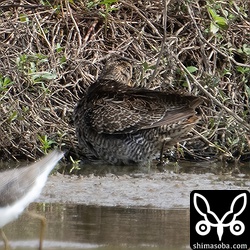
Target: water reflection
x,y
187,167
87,227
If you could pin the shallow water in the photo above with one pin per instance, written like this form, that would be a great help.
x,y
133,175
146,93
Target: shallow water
x,y
125,187
111,208
105,228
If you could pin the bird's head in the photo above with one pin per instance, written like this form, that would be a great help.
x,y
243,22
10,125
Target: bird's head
x,y
119,70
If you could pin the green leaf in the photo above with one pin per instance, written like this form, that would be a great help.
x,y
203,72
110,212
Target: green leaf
x,y
146,66
7,81
102,14
213,28
185,84
246,49
221,21
63,60
212,12
23,18
43,75
46,142
217,19
13,116
108,2
58,47
48,76
192,69
242,70
91,4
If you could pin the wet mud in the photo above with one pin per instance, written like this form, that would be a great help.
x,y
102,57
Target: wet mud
x,y
165,190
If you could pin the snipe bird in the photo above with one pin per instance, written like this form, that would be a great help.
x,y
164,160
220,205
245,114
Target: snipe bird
x,y
125,125
21,186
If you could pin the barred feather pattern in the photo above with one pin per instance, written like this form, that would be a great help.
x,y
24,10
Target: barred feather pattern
x,y
124,125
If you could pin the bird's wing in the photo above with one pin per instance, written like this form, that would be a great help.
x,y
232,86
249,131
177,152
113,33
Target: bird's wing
x,y
16,183
129,112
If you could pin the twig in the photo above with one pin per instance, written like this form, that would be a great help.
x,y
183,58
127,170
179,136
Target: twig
x,y
212,46
7,6
146,19
239,119
164,14
210,143
76,26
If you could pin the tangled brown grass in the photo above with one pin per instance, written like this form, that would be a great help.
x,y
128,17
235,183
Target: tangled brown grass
x,y
51,52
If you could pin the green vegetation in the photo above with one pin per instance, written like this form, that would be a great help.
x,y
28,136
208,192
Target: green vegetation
x,y
51,53
5,83
75,165
46,143
105,8
30,65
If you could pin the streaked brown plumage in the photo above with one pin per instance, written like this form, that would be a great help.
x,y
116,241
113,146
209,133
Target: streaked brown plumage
x,y
124,125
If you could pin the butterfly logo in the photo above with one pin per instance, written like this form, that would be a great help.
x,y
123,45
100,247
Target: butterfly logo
x,y
203,227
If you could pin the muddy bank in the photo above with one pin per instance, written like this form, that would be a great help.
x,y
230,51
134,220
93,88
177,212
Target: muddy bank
x,y
159,190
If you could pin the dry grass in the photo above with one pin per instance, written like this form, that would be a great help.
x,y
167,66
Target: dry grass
x,y
50,53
